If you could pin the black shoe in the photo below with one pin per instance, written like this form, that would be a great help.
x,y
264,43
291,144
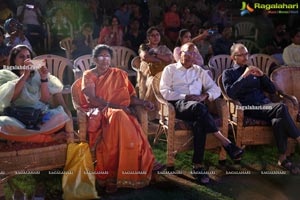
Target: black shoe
x,y
158,167
201,175
233,151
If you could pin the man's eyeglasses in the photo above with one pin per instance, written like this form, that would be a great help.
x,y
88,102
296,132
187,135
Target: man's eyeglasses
x,y
189,53
242,55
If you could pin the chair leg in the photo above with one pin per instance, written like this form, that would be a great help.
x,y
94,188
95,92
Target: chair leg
x,y
160,130
170,158
158,133
66,99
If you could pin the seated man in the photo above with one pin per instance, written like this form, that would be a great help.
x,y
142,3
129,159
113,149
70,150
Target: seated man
x,y
247,84
291,53
187,86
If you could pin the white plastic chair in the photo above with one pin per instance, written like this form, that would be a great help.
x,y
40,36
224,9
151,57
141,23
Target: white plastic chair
x,y
263,61
81,64
122,57
251,46
219,63
245,30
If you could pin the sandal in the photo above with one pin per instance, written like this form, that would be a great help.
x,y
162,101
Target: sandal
x,y
201,176
289,166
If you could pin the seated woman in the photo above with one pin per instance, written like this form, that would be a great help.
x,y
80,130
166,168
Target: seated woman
x,y
154,57
122,148
31,88
113,34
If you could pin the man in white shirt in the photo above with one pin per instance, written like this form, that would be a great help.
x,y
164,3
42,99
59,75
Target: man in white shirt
x,y
291,53
187,86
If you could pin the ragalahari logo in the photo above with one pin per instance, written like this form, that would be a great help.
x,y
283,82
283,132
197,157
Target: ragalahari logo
x,y
246,9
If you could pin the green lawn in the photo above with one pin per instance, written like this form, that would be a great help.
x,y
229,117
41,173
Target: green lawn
x,y
183,186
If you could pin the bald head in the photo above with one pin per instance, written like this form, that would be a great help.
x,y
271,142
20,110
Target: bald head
x,y
188,46
187,54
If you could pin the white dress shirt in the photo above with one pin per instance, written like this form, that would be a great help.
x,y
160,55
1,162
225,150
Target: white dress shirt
x,y
291,55
177,82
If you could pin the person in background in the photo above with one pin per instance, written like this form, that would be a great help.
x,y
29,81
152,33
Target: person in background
x,y
204,46
111,35
83,41
278,41
219,16
123,15
291,54
186,86
222,45
134,36
265,26
248,84
171,22
138,14
184,37
5,12
4,49
30,16
188,18
15,33
154,57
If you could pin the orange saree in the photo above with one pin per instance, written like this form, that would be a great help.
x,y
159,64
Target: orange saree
x,y
124,156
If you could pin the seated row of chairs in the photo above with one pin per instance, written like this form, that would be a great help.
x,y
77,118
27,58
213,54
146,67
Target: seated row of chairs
x,y
246,131
179,137
178,133
126,58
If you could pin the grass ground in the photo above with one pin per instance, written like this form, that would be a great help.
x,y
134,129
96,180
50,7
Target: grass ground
x,y
224,185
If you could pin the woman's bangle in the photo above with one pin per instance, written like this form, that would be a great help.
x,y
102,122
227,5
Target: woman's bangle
x,y
44,80
107,104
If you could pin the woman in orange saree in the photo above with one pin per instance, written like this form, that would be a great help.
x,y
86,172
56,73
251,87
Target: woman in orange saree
x,y
124,156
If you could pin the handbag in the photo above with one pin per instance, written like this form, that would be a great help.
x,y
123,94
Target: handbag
x,y
29,116
79,180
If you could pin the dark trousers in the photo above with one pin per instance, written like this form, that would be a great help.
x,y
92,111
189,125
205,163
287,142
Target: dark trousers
x,y
282,123
202,123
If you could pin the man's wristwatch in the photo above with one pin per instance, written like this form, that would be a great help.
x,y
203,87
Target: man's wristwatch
x,y
44,80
